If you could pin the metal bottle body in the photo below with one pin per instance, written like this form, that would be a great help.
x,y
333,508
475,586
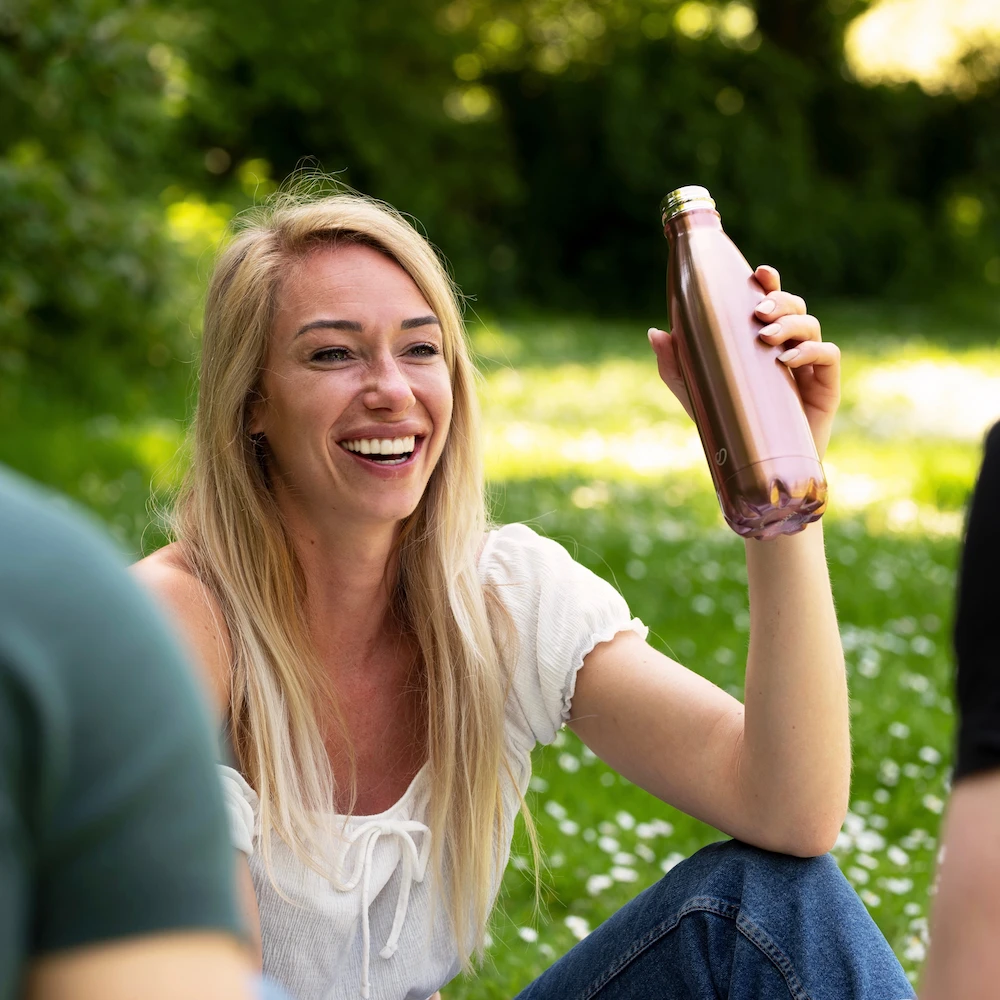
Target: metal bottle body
x,y
749,414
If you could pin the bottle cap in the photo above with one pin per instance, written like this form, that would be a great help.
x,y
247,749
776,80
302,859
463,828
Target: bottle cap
x,y
684,199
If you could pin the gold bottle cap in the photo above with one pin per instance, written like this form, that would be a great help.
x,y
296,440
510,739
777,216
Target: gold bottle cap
x,y
683,199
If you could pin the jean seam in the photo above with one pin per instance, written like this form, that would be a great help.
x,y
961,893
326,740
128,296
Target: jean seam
x,y
763,941
701,904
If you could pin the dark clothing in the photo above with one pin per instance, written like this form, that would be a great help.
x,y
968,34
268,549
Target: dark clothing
x,y
111,819
977,624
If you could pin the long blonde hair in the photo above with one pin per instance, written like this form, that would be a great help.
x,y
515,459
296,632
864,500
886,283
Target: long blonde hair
x,y
230,527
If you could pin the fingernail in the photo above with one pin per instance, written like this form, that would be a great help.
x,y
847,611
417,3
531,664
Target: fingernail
x,y
651,332
765,307
770,331
788,355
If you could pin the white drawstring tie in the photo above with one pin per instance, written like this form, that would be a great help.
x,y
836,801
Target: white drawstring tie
x,y
366,837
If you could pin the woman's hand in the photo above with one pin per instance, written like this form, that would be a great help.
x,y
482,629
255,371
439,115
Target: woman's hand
x,y
814,364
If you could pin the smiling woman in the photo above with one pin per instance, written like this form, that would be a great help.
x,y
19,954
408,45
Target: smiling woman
x,y
335,600
355,363
385,663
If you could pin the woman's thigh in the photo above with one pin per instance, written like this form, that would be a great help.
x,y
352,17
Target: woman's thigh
x,y
737,922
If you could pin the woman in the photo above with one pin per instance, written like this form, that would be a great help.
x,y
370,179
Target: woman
x,y
385,663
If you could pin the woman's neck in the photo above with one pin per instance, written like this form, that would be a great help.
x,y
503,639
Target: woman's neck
x,y
349,574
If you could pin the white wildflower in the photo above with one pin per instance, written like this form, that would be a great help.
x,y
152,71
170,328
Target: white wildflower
x,y
622,874
671,861
625,820
598,883
898,856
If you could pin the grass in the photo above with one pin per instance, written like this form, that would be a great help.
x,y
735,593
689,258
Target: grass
x,y
586,444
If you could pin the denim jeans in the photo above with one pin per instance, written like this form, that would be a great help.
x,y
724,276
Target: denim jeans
x,y
734,922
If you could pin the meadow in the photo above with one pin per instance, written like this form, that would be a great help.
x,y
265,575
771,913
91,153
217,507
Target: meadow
x,y
586,445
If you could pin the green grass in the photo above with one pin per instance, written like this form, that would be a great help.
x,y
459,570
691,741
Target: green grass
x,y
588,446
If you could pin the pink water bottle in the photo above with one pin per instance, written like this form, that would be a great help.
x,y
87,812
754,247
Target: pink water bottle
x,y
757,440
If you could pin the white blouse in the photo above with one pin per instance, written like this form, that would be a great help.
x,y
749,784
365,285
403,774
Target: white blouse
x,y
319,935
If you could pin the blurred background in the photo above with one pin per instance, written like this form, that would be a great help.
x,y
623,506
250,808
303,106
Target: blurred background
x,y
853,145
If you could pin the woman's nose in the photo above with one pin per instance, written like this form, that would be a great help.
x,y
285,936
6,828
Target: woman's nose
x,y
388,387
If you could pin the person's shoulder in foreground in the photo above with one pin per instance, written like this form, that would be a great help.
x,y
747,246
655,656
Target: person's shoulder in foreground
x,y
963,960
977,631
113,845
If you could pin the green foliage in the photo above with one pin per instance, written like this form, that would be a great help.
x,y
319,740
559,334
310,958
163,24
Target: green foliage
x,y
534,140
361,89
86,272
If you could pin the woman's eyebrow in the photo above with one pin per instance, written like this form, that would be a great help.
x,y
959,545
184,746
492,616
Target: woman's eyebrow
x,y
355,327
409,324
331,324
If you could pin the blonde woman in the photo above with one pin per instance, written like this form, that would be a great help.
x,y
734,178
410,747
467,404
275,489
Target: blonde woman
x,y
385,660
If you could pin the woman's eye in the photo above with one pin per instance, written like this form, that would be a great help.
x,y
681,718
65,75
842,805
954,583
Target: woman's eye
x,y
331,354
424,350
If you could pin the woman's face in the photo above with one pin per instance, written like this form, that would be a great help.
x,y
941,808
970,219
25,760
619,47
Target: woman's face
x,y
357,395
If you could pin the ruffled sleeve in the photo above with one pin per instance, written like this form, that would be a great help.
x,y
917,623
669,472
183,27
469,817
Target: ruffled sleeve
x,y
241,808
560,611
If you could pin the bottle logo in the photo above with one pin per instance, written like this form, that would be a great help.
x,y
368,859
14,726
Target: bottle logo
x,y
720,456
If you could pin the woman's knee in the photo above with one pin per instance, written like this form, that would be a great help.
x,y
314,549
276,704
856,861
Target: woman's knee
x,y
734,871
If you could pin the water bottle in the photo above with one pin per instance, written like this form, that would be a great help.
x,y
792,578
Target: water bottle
x,y
747,407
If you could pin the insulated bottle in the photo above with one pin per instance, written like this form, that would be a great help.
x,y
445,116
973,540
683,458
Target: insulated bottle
x,y
746,404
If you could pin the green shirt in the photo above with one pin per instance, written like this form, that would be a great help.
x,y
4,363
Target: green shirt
x,y
111,818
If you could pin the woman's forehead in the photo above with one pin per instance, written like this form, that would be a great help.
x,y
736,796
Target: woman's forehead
x,y
353,281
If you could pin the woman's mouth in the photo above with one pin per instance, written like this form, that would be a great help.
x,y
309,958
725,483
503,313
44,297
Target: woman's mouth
x,y
383,451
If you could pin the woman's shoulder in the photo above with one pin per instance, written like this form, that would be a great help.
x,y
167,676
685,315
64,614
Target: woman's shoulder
x,y
194,610
169,575
517,550
539,579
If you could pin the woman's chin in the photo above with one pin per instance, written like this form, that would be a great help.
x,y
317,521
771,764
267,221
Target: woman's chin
x,y
386,513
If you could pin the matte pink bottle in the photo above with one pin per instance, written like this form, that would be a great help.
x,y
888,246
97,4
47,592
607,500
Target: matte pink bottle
x,y
757,440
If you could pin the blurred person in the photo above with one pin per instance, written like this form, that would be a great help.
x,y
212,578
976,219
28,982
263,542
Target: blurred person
x,y
385,659
116,876
964,960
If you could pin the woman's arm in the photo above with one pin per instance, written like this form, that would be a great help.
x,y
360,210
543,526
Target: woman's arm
x,y
775,771
795,754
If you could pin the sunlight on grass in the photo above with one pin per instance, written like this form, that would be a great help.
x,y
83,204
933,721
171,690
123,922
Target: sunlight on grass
x,y
904,451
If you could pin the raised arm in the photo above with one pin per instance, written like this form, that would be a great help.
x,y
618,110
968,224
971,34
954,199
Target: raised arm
x,y
774,771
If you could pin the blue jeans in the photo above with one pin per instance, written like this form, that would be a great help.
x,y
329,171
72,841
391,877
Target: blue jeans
x,y
734,922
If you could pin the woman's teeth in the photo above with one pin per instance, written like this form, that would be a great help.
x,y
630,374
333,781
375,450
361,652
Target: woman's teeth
x,y
388,451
